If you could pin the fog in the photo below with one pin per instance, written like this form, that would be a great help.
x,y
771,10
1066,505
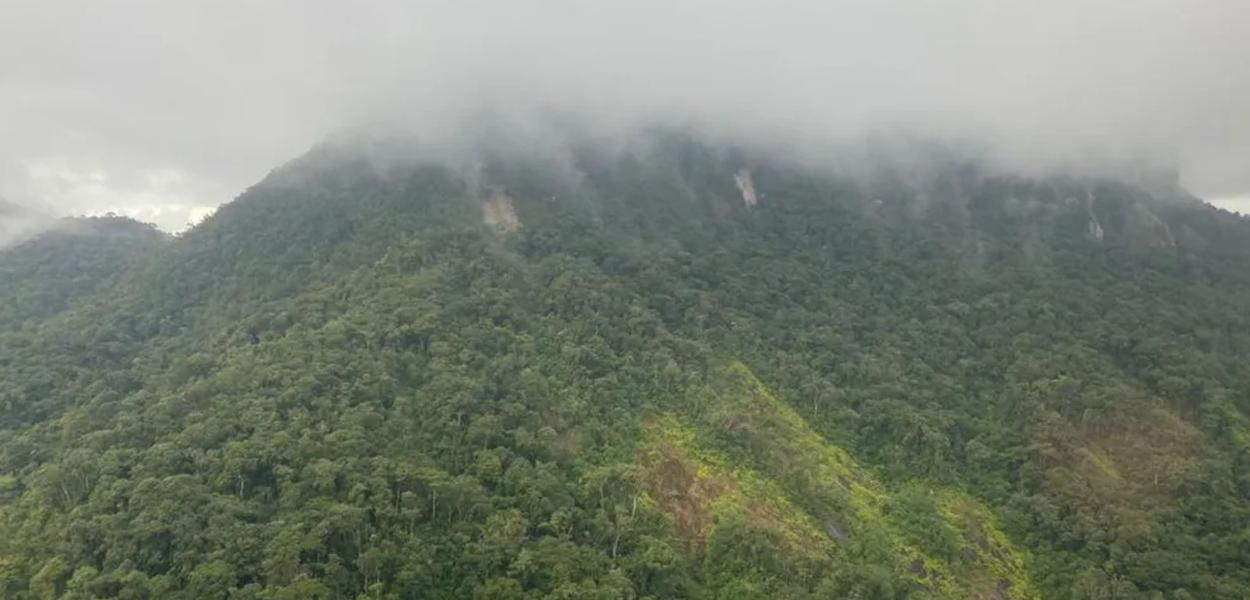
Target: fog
x,y
163,110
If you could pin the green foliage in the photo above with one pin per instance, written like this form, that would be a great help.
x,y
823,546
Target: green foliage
x,y
344,385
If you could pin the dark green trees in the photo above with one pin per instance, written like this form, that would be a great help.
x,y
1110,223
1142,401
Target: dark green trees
x,y
346,385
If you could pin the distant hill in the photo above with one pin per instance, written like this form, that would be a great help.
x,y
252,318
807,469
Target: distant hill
x,y
650,367
69,259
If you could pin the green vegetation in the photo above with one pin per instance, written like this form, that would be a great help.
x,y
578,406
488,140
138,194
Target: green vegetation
x,y
346,385
753,462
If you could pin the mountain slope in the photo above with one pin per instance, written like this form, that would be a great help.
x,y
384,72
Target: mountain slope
x,y
75,259
657,369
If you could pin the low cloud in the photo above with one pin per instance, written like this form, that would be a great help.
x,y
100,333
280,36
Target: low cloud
x,y
145,105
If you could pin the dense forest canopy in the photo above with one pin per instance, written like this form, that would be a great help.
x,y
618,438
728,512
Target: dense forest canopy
x,y
665,368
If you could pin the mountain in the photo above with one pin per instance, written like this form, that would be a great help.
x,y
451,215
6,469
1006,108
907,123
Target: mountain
x,y
660,367
71,260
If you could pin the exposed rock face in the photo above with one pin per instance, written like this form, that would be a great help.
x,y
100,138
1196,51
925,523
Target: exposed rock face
x,y
1149,228
747,187
499,214
1095,231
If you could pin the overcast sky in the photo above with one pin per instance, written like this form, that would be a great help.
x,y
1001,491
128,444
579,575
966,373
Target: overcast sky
x,y
163,109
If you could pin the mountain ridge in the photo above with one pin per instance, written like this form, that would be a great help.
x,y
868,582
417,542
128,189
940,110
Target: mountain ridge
x,y
607,372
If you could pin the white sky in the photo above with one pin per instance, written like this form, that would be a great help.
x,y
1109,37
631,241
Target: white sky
x,y
164,109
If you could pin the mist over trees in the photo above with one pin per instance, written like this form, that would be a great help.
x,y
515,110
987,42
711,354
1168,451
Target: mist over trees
x,y
606,372
166,110
578,299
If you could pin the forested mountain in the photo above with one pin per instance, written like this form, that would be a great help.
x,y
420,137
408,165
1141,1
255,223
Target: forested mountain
x,y
72,260
658,368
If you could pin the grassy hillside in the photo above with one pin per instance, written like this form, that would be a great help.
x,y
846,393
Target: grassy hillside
x,y
763,497
660,369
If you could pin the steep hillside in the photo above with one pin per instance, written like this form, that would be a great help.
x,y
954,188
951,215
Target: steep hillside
x,y
657,368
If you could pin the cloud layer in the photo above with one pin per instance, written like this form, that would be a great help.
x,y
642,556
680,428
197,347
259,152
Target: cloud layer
x,y
167,108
